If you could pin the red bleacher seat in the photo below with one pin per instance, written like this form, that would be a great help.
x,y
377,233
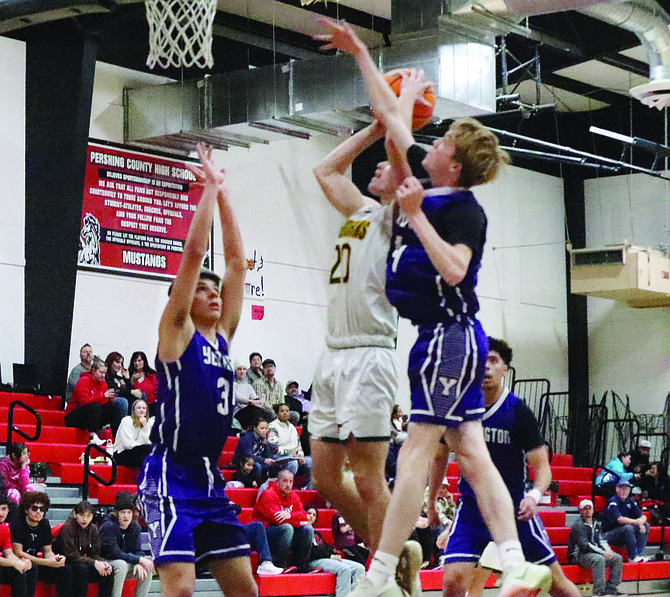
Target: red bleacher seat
x,y
552,518
558,535
571,473
73,473
39,403
561,552
561,460
226,458
569,487
284,585
245,498
21,416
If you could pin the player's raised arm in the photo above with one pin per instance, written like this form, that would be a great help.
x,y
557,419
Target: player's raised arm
x,y
330,172
385,107
232,289
176,326
394,113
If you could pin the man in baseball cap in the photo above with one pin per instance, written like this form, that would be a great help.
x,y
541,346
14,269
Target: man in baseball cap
x,y
639,458
624,524
588,548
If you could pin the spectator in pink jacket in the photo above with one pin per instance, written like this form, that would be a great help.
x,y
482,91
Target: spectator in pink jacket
x,y
15,472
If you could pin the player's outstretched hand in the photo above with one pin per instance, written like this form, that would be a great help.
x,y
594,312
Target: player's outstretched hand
x,y
415,83
410,196
206,172
341,37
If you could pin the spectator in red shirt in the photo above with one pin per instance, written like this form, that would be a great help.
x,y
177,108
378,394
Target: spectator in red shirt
x,y
93,405
12,568
279,508
144,379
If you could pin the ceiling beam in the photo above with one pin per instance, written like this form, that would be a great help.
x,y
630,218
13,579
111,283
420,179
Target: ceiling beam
x,y
574,86
258,40
628,64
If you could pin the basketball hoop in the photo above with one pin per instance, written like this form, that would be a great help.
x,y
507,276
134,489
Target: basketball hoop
x,y
180,32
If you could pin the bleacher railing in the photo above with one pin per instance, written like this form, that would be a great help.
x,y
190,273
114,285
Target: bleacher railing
x,y
11,428
89,473
532,392
554,421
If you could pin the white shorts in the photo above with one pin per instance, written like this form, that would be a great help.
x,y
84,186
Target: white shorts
x,y
353,394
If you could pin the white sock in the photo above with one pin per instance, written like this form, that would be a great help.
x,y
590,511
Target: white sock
x,y
382,567
511,554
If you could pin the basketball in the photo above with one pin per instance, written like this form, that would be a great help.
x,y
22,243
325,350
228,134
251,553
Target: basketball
x,y
422,113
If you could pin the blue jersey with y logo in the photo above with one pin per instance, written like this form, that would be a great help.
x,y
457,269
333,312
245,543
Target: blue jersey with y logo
x,y
195,400
413,285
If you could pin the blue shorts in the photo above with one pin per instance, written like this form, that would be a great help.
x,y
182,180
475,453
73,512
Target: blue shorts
x,y
187,529
446,369
469,536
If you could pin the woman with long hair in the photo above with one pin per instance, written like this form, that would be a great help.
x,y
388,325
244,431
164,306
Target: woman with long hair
x,y
118,377
132,438
143,378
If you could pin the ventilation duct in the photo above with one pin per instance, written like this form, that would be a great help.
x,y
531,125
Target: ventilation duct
x,y
652,29
644,18
324,94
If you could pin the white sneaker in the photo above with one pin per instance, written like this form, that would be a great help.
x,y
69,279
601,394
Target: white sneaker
x,y
637,559
526,580
364,588
267,567
94,439
407,573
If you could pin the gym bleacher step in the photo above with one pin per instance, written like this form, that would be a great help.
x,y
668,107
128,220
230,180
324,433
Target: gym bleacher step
x,y
60,492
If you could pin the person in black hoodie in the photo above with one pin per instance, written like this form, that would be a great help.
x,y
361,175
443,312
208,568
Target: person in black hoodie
x,y
120,544
347,572
78,542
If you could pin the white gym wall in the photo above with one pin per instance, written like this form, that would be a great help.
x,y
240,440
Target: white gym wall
x,y
12,202
629,349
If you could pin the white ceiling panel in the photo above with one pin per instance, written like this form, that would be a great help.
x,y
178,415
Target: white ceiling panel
x,y
565,101
638,53
603,75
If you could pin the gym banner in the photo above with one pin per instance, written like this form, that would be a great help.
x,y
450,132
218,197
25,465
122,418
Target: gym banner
x,y
136,213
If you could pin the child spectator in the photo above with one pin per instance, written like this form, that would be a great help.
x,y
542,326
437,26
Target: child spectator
x,y
247,474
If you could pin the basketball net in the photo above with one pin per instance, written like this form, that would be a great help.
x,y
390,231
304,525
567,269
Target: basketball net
x,y
180,32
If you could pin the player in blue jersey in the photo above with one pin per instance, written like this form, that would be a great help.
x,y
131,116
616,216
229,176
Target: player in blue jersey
x,y
514,441
181,489
436,250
